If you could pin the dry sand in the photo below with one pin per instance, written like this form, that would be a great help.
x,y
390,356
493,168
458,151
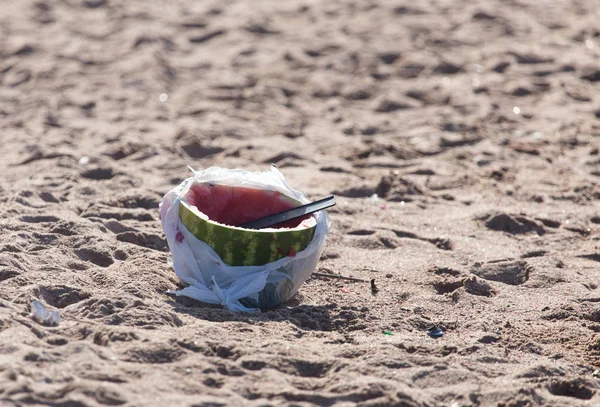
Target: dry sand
x,y
476,123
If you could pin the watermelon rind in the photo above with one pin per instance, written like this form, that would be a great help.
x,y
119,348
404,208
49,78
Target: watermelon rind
x,y
246,247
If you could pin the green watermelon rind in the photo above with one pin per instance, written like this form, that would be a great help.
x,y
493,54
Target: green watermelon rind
x,y
245,247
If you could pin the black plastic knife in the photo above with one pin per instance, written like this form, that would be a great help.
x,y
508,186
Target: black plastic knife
x,y
293,213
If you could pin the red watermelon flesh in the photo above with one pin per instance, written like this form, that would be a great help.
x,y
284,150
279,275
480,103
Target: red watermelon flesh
x,y
236,205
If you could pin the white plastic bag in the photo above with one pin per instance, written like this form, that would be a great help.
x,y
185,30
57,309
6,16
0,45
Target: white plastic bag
x,y
241,288
44,316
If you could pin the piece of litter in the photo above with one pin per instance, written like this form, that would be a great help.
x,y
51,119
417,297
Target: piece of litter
x,y
42,315
374,288
435,332
388,333
345,290
220,273
84,160
327,275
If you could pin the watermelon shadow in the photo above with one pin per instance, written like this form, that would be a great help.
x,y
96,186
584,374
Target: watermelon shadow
x,y
329,317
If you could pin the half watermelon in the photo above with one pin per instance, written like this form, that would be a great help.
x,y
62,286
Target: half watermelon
x,y
211,211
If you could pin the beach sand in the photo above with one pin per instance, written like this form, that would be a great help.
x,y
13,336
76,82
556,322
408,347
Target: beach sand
x,y
476,123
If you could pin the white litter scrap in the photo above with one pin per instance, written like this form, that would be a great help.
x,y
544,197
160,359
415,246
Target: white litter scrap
x,y
44,316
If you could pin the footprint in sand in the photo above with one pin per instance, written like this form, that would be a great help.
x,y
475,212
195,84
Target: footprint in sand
x,y
507,272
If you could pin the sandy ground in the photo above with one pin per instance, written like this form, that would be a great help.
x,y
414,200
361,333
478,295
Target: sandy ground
x,y
475,122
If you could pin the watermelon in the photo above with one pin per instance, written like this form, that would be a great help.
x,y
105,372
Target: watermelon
x,y
211,212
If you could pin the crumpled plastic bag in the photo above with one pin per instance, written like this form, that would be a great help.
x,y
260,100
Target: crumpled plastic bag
x,y
238,288
44,316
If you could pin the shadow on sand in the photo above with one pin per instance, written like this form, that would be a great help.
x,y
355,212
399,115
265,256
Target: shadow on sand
x,y
330,317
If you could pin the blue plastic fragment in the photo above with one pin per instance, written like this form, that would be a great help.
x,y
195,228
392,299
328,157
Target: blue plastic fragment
x,y
435,332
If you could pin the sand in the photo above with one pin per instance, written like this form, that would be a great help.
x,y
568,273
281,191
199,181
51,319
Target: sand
x,y
476,123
